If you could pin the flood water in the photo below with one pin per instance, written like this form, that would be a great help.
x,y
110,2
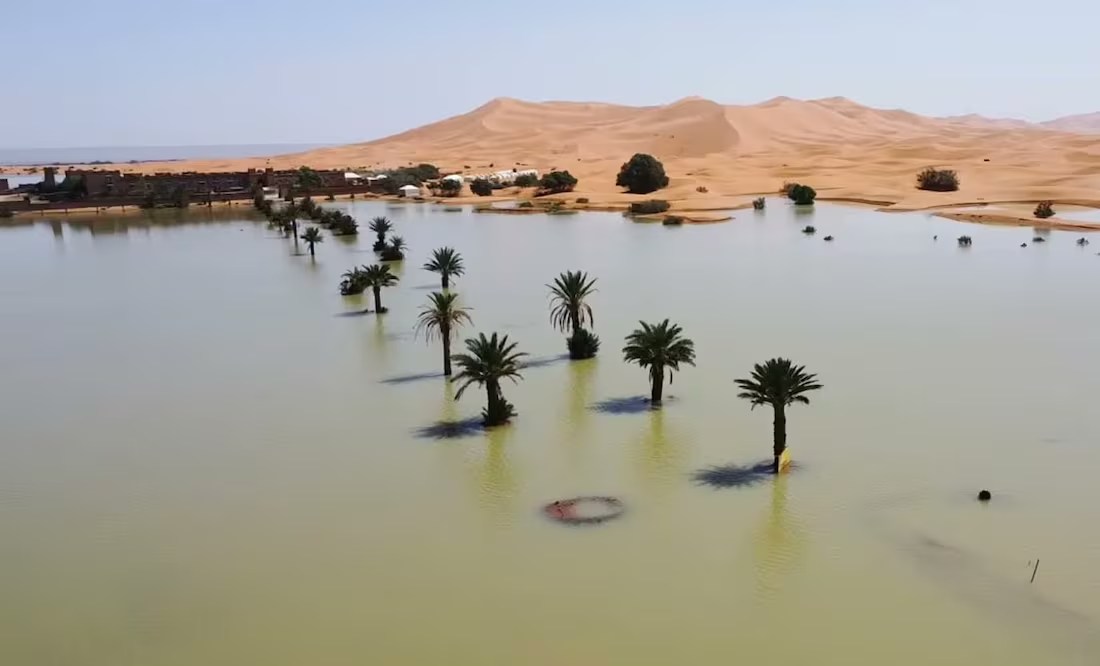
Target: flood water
x,y
203,462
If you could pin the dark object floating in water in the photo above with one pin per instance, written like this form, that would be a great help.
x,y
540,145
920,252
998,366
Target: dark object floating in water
x,y
828,238
1023,244
1082,241
964,241
809,229
1038,239
985,496
586,510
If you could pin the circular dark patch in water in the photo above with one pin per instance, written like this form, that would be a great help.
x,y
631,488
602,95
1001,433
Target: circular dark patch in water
x,y
585,510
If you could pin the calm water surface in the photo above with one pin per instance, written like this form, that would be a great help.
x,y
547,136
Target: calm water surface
x,y
202,462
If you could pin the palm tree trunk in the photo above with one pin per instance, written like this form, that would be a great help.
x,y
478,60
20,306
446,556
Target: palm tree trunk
x,y
446,281
492,410
377,299
779,434
445,333
657,378
575,318
311,253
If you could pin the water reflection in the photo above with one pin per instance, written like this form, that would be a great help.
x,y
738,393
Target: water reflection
x,y
660,453
780,542
495,473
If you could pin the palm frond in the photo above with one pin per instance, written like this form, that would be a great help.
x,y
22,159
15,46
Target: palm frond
x,y
778,381
441,314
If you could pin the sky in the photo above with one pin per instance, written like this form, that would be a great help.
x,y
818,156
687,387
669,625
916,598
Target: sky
x,y
141,72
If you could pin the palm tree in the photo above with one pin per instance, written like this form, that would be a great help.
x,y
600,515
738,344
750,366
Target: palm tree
x,y
290,216
779,383
353,282
395,250
380,226
568,311
377,276
446,262
312,236
659,346
440,317
488,361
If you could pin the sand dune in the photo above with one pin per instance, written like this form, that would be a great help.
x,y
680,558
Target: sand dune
x,y
844,149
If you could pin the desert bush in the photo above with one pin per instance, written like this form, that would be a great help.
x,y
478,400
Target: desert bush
x,y
526,180
1044,210
938,180
582,200
448,187
672,220
802,195
556,182
758,203
481,187
642,174
649,207
702,189
526,204
786,188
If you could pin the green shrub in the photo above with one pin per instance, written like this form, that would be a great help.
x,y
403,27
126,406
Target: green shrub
x,y
526,180
758,203
582,344
802,195
481,187
526,204
965,241
649,207
642,174
938,180
785,189
556,182
809,230
1044,210
582,200
450,187
672,220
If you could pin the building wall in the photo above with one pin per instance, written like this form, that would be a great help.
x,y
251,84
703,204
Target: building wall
x,y
4,185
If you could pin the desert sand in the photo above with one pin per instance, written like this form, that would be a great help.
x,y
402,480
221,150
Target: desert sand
x,y
848,152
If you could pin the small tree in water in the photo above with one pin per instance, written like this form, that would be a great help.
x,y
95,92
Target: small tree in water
x,y
312,236
380,226
778,383
569,312
447,263
659,347
441,317
376,277
486,363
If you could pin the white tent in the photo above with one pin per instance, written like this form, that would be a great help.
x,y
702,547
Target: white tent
x,y
410,191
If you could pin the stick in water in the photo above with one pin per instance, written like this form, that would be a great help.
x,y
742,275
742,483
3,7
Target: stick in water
x,y
1035,570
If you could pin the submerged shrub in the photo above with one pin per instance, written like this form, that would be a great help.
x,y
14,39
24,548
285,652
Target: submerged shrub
x,y
758,203
802,195
1044,210
938,180
809,229
964,241
642,174
673,220
583,344
649,207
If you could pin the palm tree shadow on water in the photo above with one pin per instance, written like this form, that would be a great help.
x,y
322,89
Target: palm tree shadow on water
x,y
449,426
543,361
739,476
635,404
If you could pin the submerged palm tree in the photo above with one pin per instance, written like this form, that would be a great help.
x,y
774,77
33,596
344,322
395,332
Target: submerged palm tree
x,y
353,282
659,346
569,312
440,317
486,363
312,236
779,383
380,226
447,263
291,213
377,276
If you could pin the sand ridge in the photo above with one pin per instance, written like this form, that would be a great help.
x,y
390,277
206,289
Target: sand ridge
x,y
845,150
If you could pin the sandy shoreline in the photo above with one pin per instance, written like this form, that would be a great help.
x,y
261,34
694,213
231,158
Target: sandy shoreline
x,y
719,158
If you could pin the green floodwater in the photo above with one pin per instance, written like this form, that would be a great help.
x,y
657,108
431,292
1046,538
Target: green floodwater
x,y
203,463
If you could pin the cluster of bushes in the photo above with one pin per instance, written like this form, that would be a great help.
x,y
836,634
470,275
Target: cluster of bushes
x,y
672,220
642,174
417,175
340,223
651,207
448,187
758,203
526,180
801,195
938,180
1044,210
481,187
702,189
556,182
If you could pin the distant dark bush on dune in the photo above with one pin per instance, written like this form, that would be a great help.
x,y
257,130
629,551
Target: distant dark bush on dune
x,y
938,180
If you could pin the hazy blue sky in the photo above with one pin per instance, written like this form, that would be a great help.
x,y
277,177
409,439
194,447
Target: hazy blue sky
x,y
140,72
